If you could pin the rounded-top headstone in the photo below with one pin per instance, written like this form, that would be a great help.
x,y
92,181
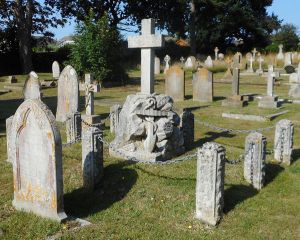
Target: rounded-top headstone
x,y
32,87
55,70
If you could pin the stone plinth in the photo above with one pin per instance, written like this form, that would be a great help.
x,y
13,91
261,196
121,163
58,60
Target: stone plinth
x,y
175,83
235,101
268,102
210,183
92,150
148,129
203,86
255,156
284,141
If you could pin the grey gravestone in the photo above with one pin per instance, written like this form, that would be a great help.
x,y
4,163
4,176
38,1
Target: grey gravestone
x,y
284,141
210,183
73,127
187,125
92,150
157,66
8,138
115,117
67,94
55,70
255,156
175,83
37,161
203,85
32,87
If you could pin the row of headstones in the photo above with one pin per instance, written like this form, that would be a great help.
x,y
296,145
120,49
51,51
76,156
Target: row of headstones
x,y
211,169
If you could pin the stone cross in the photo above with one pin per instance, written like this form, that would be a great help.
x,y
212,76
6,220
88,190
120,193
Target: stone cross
x,y
182,61
284,141
236,74
167,65
255,156
254,51
270,87
90,89
210,183
216,53
147,41
260,60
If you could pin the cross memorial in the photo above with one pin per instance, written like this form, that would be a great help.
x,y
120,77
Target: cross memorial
x,y
147,41
216,53
90,89
254,51
182,61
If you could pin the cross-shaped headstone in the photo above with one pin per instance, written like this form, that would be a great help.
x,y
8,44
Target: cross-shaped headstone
x,y
167,65
90,89
236,74
216,53
271,76
147,41
254,51
182,61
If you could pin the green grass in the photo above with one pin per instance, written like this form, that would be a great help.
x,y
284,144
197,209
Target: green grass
x,y
137,201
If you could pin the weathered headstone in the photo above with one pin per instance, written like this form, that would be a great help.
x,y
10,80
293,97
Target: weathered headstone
x,y
67,94
190,62
209,62
203,85
280,55
114,117
182,61
167,60
210,183
32,87
221,56
260,60
90,89
73,127
175,83
284,141
55,70
187,125
147,41
294,80
255,156
250,66
37,161
216,50
157,66
8,138
295,77
287,59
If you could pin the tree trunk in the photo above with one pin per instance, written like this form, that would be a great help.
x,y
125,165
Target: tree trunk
x,y
192,29
25,52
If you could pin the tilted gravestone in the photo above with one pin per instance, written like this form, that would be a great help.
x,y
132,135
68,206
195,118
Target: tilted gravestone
x,y
55,70
32,87
203,85
187,125
37,161
255,156
284,141
67,94
210,183
175,83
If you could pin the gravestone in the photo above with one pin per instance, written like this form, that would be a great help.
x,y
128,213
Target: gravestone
x,y
203,85
8,138
255,157
187,125
12,79
221,56
157,66
37,161
294,90
235,100
216,50
67,94
228,74
287,59
284,141
73,127
254,51
210,183
190,62
115,117
269,101
208,62
167,60
182,61
295,77
260,60
147,41
32,87
90,89
175,83
250,66
280,55
55,70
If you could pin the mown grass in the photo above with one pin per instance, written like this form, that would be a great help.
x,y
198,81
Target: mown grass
x,y
137,201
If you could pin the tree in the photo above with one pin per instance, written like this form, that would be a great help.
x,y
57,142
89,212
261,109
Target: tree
x,y
97,49
288,36
28,17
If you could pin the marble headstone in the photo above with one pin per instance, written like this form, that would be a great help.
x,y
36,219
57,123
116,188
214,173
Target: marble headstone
x,y
203,85
175,83
55,70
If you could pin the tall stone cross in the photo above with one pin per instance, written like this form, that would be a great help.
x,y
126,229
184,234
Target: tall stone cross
x,y
270,85
254,51
147,41
90,89
182,61
236,74
216,53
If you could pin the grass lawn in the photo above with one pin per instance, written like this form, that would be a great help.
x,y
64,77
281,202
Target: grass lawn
x,y
138,201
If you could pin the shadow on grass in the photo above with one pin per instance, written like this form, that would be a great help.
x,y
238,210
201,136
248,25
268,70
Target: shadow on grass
x,y
116,183
295,155
236,194
219,98
272,170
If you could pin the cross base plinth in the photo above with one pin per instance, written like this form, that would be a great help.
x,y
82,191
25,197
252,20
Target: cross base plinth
x,y
269,102
235,101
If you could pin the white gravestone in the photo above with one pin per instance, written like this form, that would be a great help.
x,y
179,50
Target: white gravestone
x,y
167,60
67,94
208,62
260,60
280,55
216,53
210,183
190,62
254,51
32,87
37,161
288,59
284,141
157,66
55,70
147,41
255,157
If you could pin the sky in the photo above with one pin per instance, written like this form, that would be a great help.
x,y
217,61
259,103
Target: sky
x,y
287,10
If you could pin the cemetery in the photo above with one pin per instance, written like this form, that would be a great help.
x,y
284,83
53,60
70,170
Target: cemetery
x,y
188,147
